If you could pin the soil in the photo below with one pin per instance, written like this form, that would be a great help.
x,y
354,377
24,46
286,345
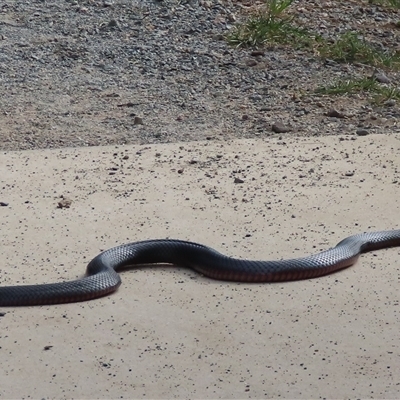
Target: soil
x,y
88,73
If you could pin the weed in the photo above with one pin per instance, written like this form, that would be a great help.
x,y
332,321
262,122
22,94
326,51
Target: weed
x,y
349,47
272,24
350,86
269,24
386,3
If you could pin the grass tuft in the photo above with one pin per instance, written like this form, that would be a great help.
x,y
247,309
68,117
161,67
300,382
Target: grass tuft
x,y
349,47
351,86
270,24
386,3
273,24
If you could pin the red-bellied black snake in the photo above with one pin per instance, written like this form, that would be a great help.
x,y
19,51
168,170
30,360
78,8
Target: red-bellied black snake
x,y
103,279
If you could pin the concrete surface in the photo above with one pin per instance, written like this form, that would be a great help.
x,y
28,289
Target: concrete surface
x,y
171,333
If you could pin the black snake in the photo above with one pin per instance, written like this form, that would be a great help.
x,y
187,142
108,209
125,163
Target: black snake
x,y
103,279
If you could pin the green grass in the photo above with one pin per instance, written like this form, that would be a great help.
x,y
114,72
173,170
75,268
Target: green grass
x,y
349,47
386,3
351,86
272,25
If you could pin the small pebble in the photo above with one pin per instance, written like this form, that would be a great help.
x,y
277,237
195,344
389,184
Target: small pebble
x,y
137,121
381,77
278,127
334,113
362,132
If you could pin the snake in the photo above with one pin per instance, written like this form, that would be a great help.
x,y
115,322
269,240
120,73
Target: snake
x,y
102,277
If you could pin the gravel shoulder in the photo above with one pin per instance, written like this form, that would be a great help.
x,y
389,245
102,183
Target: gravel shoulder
x,y
87,73
171,333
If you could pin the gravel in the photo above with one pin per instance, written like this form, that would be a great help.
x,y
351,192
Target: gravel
x,y
86,73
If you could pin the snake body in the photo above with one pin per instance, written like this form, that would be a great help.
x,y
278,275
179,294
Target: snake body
x,y
102,278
